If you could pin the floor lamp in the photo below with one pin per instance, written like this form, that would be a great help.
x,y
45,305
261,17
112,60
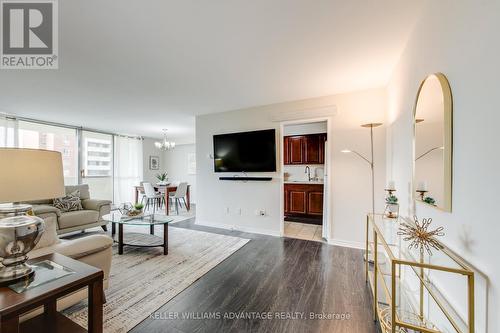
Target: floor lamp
x,y
370,162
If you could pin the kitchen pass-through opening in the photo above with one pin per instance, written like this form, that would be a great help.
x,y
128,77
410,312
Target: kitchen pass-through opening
x,y
304,179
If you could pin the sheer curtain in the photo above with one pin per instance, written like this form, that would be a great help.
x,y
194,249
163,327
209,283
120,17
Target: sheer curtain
x,y
127,167
8,129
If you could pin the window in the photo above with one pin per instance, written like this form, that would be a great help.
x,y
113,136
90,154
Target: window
x,y
61,139
97,163
87,156
7,132
98,153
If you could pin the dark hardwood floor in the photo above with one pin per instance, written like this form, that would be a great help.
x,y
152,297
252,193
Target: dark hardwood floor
x,y
277,275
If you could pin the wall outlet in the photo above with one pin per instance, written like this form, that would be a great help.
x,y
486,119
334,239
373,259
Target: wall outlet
x,y
260,212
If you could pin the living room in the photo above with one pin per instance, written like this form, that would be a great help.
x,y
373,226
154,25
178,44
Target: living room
x,y
147,153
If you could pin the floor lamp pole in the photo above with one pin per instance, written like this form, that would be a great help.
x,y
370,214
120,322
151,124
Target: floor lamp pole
x,y
372,168
372,163
373,171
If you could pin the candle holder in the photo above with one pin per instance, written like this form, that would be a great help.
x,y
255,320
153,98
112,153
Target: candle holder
x,y
391,205
390,191
421,193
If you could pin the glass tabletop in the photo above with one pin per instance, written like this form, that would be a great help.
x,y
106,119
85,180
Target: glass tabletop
x,y
148,219
45,271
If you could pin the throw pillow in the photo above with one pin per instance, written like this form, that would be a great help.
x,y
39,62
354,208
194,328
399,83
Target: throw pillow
x,y
69,203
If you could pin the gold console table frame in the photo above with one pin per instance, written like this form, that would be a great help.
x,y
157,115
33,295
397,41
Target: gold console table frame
x,y
385,239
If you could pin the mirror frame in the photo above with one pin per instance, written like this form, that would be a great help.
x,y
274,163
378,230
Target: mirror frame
x,y
448,142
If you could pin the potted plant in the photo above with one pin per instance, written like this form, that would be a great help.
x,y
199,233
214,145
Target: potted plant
x,y
391,206
136,210
430,201
162,177
139,207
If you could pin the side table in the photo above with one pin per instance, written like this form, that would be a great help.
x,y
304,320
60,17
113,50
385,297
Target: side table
x,y
76,275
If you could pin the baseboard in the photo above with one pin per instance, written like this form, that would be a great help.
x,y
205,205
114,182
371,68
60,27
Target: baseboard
x,y
343,243
238,228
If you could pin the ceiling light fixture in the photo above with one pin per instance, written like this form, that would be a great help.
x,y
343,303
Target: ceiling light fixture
x,y
165,144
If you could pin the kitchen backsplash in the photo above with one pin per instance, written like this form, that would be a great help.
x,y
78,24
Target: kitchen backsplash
x,y
297,172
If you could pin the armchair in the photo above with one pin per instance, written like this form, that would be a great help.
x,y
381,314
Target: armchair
x,y
90,216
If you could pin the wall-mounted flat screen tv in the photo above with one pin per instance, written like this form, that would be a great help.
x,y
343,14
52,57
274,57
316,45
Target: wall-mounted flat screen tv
x,y
245,151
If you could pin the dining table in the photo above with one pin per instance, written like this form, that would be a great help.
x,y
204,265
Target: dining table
x,y
166,189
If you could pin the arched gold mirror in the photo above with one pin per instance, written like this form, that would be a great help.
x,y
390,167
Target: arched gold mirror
x,y
433,119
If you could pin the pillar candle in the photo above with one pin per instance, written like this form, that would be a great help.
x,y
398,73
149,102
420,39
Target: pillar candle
x,y
422,186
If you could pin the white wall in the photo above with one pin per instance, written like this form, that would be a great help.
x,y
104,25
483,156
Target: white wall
x,y
219,202
149,149
176,164
459,39
351,198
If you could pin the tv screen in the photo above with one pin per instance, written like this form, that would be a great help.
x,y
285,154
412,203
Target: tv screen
x,y
245,152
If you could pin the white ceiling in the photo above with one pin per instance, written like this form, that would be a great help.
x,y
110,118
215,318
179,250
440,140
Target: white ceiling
x,y
135,67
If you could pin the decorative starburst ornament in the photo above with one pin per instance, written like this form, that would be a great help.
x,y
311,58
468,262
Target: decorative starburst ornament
x,y
419,236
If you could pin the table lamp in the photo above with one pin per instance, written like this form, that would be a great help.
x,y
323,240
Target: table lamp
x,y
25,174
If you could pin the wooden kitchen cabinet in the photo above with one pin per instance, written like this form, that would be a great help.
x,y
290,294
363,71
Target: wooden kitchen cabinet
x,y
298,201
304,149
304,201
296,149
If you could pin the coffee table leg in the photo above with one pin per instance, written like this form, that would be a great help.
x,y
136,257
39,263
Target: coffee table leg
x,y
165,238
113,229
152,229
95,306
120,238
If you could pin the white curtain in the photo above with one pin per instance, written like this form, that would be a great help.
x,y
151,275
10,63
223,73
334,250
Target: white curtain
x,y
127,166
8,132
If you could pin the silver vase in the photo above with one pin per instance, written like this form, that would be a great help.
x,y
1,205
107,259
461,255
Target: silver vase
x,y
18,235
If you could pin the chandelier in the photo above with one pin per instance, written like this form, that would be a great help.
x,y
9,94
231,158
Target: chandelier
x,y
165,144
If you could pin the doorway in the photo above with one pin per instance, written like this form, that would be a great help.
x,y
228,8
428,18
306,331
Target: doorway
x,y
305,179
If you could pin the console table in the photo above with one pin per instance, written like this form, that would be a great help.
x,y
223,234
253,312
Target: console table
x,y
407,285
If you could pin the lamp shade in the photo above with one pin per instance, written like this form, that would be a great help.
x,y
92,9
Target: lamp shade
x,y
30,174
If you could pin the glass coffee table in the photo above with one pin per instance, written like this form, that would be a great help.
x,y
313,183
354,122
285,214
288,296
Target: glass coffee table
x,y
137,239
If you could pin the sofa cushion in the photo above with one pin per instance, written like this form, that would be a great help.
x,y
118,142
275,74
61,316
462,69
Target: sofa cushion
x,y
77,218
49,236
95,204
39,202
84,190
83,246
69,203
45,210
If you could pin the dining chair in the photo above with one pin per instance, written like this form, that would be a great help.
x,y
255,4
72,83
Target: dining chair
x,y
178,195
152,196
141,192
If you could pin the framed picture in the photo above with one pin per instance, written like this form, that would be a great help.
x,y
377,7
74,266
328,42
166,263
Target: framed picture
x,y
154,162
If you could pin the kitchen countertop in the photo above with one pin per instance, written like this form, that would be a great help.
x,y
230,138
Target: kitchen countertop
x,y
312,182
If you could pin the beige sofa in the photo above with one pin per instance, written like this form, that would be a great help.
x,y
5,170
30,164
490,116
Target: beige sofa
x,y
89,217
95,250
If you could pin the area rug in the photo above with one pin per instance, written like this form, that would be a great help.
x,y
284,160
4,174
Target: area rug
x,y
143,279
